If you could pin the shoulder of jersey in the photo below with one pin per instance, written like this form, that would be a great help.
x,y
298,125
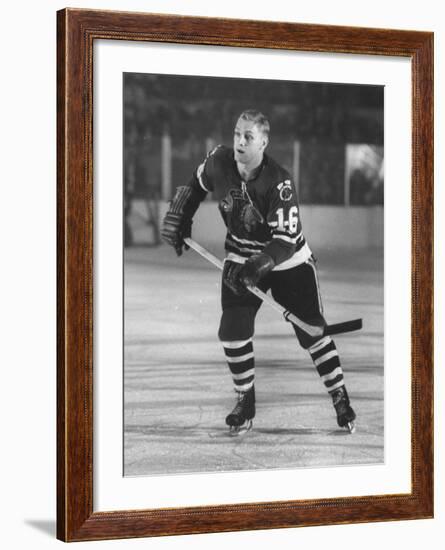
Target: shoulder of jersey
x,y
275,173
221,152
218,159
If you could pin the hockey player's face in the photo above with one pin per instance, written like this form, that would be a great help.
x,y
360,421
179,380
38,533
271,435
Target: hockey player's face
x,y
249,143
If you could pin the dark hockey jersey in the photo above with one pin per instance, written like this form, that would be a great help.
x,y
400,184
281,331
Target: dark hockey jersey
x,y
273,193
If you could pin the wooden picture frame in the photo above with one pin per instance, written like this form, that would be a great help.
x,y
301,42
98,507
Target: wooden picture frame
x,y
77,31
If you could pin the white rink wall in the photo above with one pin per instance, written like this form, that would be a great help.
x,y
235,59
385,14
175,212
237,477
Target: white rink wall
x,y
340,226
324,226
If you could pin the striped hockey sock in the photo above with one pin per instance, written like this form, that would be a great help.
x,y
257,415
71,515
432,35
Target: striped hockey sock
x,y
240,358
327,362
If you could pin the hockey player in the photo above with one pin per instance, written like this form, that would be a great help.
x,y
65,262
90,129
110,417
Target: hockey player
x,y
265,247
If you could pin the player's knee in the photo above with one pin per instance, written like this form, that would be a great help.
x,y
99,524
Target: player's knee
x,y
236,324
304,339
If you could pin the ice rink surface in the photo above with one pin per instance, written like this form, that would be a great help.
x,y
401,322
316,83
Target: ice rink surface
x,y
178,389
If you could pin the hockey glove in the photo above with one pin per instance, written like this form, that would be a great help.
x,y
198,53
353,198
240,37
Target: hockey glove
x,y
231,277
255,268
174,230
177,224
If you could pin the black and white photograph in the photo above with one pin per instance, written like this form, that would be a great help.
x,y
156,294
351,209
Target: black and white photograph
x,y
220,318
253,274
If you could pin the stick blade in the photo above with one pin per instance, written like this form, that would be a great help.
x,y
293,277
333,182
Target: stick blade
x,y
346,326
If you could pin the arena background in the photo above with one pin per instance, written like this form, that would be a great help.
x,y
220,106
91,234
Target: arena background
x,y
176,384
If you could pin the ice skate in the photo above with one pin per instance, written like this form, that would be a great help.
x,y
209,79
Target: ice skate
x,y
345,413
240,419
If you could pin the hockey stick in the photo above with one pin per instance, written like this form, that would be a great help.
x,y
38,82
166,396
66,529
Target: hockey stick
x,y
312,330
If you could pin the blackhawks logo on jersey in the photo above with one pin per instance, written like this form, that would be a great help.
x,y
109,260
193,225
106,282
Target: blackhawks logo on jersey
x,y
285,189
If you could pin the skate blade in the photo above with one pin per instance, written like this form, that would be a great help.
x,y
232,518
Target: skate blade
x,y
235,431
350,426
